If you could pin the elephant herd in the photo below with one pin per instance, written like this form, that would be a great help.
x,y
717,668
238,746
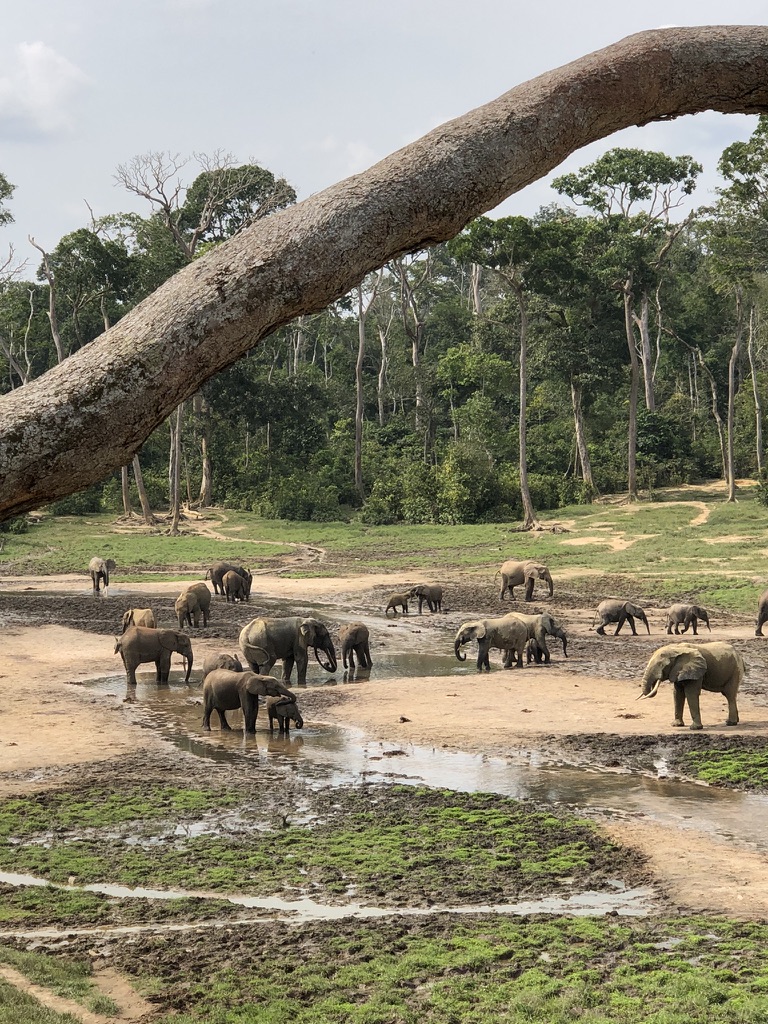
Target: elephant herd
x,y
228,684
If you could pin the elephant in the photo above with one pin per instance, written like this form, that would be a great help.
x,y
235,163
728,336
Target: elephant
x,y
514,573
227,691
397,600
507,633
285,711
692,668
193,601
236,587
140,644
139,617
265,641
228,661
429,592
537,629
762,612
99,570
218,571
354,639
686,615
616,610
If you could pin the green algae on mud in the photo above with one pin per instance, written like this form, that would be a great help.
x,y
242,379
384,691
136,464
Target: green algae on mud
x,y
738,769
389,844
483,968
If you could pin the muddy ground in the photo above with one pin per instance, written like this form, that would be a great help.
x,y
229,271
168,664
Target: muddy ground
x,y
56,732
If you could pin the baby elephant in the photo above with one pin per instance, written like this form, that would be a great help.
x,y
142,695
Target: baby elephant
x,y
354,639
686,615
397,601
231,662
284,711
616,610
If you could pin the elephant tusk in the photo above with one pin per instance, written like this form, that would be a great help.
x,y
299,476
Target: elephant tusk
x,y
652,692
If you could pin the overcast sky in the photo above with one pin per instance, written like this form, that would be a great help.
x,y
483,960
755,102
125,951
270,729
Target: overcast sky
x,y
314,90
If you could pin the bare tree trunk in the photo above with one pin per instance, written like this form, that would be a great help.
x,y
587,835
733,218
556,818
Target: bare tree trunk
x,y
361,316
125,486
91,414
581,440
146,511
382,374
530,522
732,365
642,322
715,413
477,302
176,485
755,392
52,316
634,387
203,413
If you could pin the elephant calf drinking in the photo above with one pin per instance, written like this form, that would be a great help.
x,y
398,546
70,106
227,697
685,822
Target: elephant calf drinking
x,y
283,711
227,691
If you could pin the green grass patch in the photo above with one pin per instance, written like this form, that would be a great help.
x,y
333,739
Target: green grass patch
x,y
485,970
65,977
745,769
57,810
399,843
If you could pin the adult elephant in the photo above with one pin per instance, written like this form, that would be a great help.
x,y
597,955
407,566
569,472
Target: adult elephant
x,y
236,587
538,628
429,592
192,603
219,570
692,668
99,569
139,617
507,633
616,610
513,574
355,640
687,616
762,613
265,641
140,644
227,691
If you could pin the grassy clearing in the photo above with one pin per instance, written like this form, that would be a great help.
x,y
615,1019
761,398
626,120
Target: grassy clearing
x,y
596,971
722,562
403,843
65,977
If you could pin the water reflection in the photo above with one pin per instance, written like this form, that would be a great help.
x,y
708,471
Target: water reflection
x,y
330,755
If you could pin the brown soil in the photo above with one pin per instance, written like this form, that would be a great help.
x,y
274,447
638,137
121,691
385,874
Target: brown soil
x,y
582,710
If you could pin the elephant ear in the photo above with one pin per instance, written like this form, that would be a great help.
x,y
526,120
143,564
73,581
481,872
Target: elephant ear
x,y
308,629
687,666
169,639
478,628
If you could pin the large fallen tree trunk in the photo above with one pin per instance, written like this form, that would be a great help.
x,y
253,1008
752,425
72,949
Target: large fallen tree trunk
x,y
91,414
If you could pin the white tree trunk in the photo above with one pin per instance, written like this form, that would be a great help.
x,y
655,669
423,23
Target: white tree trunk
x,y
91,414
755,392
634,387
646,355
732,365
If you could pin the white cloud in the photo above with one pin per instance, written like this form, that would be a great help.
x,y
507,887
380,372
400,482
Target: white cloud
x,y
37,90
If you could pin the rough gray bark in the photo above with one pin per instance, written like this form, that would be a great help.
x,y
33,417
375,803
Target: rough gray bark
x,y
91,414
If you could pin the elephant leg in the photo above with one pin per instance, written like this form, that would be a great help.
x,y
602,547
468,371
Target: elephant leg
x,y
208,709
352,657
692,692
601,629
302,660
677,629
164,663
679,698
365,655
249,702
483,659
344,656
130,672
288,662
694,627
733,711
621,620
223,720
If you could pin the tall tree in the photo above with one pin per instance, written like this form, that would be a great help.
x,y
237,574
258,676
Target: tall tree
x,y
265,277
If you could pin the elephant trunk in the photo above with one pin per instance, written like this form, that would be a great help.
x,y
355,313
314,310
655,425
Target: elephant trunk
x,y
644,617
551,586
327,649
650,692
458,651
561,635
188,660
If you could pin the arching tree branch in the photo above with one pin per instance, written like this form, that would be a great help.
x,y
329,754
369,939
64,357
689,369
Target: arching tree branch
x,y
90,414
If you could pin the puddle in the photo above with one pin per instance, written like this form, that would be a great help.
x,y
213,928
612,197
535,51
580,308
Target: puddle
x,y
625,902
331,755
